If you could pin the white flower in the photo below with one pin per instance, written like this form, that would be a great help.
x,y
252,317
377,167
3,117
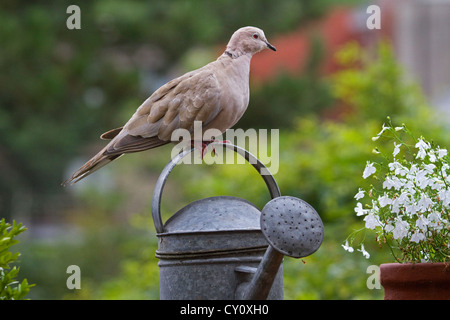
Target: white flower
x,y
409,187
360,194
371,221
411,208
434,219
444,169
395,206
398,168
422,179
417,237
400,201
388,183
359,209
347,247
389,227
421,154
434,216
393,165
380,133
441,153
437,184
444,196
374,207
429,168
412,171
396,149
422,144
364,252
401,229
369,170
422,223
384,200
432,156
424,203
392,182
403,198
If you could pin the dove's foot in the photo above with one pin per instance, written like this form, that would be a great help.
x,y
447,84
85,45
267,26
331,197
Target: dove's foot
x,y
203,145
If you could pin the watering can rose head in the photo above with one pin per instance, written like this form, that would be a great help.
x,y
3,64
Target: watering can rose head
x,y
409,203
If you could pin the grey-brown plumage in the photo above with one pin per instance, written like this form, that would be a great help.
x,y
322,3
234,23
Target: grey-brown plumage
x,y
216,94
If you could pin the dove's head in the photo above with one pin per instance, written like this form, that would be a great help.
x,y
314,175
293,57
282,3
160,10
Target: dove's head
x,y
247,40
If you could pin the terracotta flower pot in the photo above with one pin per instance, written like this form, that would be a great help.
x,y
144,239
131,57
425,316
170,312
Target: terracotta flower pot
x,y
419,281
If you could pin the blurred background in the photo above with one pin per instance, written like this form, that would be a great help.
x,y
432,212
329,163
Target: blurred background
x,y
328,89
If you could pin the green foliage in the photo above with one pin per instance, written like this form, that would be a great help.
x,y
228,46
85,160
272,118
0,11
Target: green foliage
x,y
138,280
103,248
373,84
46,108
10,288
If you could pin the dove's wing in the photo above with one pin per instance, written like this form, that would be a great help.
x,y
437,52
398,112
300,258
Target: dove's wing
x,y
192,97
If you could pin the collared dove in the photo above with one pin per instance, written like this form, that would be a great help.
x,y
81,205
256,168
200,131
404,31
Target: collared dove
x,y
216,94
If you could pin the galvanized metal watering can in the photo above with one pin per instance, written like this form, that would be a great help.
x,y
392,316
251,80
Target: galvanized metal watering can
x,y
225,247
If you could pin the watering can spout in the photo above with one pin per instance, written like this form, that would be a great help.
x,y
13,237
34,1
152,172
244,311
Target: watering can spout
x,y
293,228
262,281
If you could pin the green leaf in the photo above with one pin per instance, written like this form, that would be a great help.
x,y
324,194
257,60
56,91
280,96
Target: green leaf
x,y
10,288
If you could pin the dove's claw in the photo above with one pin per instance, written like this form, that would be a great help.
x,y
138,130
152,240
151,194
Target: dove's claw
x,y
205,147
202,146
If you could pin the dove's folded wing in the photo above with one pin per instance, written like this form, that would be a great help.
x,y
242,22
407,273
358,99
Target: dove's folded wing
x,y
192,97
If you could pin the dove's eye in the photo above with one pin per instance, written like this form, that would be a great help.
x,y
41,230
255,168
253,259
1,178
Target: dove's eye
x,y
255,36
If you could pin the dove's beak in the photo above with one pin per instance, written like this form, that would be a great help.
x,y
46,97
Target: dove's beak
x,y
271,47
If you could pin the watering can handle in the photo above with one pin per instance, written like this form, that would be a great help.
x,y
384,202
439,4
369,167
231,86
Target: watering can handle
x,y
255,162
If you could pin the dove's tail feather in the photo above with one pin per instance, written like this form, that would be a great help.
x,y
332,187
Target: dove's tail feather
x,y
115,149
98,161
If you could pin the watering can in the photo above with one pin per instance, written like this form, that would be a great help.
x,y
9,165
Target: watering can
x,y
225,248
